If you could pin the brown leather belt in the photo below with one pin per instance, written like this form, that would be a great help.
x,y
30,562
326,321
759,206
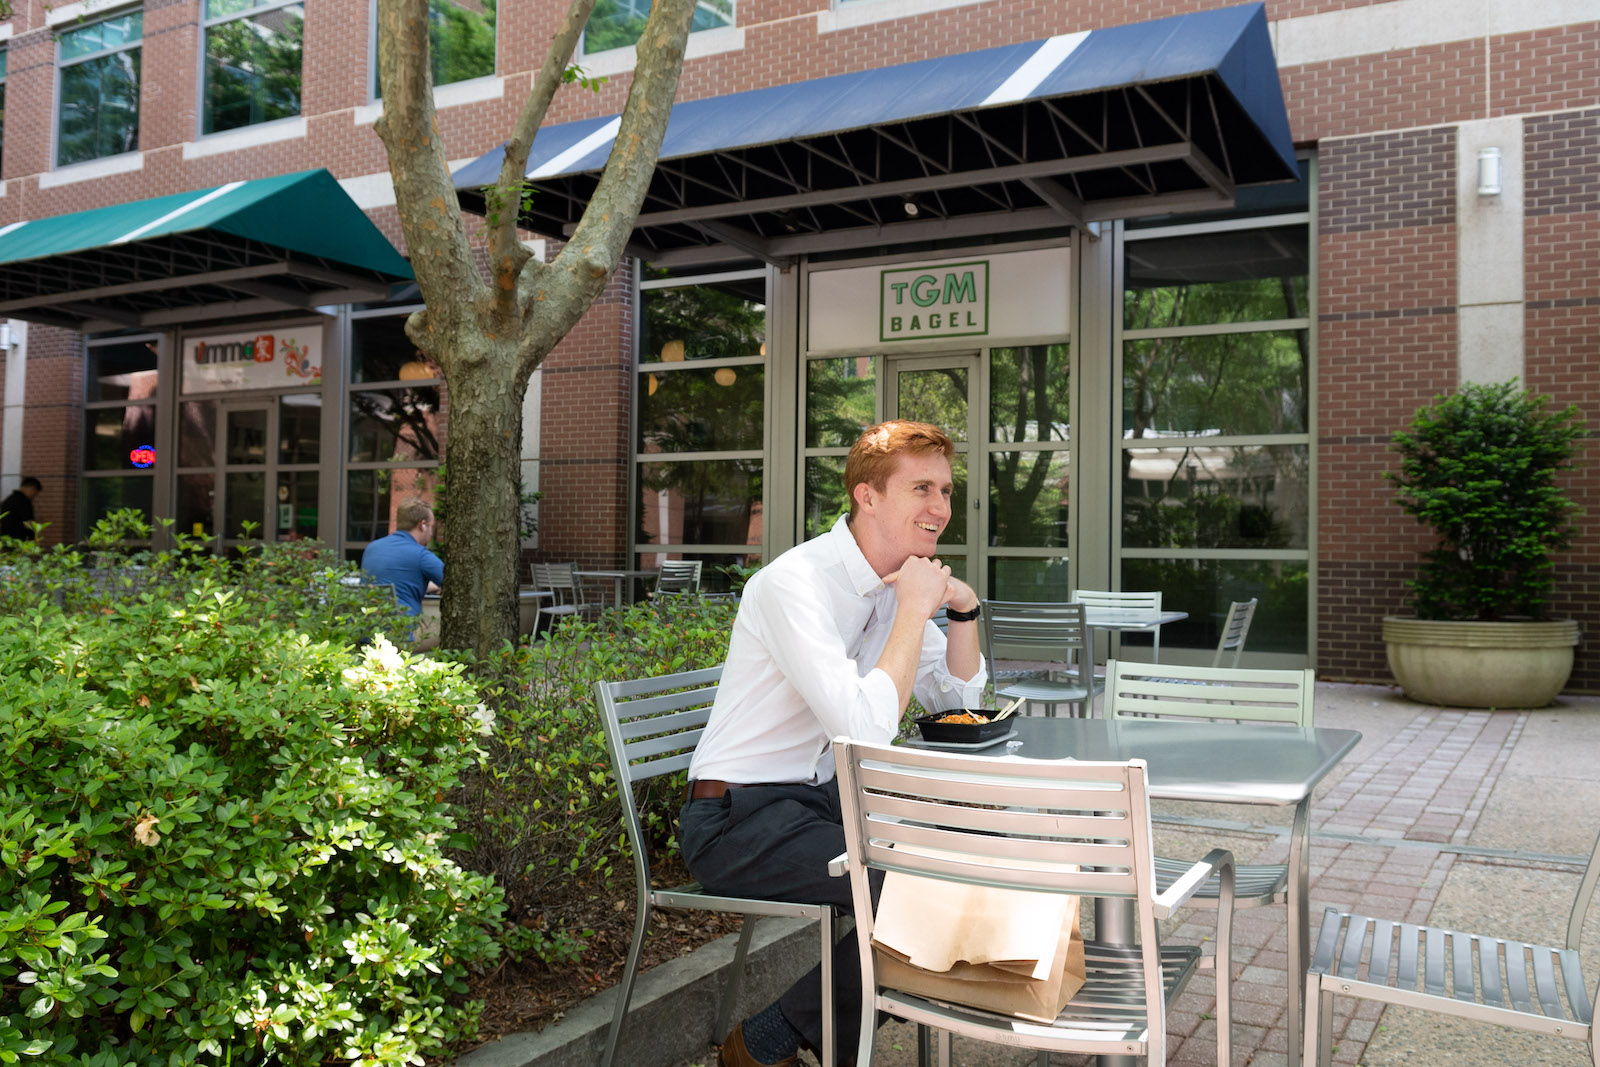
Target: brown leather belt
x,y
712,789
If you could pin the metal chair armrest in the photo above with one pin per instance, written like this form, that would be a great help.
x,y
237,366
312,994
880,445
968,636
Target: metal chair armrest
x,y
839,866
1218,861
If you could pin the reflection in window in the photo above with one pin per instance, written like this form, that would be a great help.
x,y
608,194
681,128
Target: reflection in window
x,y
102,496
714,320
700,502
841,400
196,509
1205,587
825,496
619,23
1232,276
1032,580
701,410
111,435
1231,383
2,101
1029,393
1028,498
380,351
197,433
1202,496
252,63
394,424
300,428
296,507
125,371
98,106
374,496
461,39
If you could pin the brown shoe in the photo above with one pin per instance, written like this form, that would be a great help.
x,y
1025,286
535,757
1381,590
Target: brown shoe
x,y
734,1054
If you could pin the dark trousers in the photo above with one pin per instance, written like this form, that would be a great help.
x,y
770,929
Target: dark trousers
x,y
773,842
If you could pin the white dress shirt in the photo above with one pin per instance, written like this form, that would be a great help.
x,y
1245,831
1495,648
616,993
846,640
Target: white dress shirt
x,y
800,668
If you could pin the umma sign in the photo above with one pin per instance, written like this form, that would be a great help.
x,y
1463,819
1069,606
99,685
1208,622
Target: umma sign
x,y
943,300
259,359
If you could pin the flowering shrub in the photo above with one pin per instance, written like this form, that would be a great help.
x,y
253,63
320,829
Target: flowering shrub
x,y
222,840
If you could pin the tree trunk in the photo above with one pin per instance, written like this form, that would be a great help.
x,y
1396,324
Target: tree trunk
x,y
479,607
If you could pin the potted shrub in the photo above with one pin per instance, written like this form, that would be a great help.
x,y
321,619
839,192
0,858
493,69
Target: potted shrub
x,y
1480,468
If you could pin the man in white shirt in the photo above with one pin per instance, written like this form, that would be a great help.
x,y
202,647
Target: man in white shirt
x,y
833,637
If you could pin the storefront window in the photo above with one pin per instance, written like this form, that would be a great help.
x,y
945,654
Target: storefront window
x,y
461,41
1215,452
99,89
701,418
252,63
2,102
119,427
397,407
619,23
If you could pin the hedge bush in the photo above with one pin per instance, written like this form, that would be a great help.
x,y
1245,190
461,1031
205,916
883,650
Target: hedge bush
x,y
222,840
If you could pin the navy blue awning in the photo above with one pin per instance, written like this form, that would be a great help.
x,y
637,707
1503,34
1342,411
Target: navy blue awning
x,y
1174,114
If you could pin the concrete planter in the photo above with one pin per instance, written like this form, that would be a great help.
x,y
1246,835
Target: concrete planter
x,y
1480,664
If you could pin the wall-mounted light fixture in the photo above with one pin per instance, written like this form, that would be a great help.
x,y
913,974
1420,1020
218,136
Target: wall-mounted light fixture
x,y
5,337
913,209
1488,172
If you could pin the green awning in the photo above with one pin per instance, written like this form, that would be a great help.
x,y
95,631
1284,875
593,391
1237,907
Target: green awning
x,y
245,248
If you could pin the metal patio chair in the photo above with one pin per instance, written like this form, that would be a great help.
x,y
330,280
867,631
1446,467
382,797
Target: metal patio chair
x,y
678,576
1453,973
652,726
1235,628
1118,600
1051,826
1165,691
567,595
1054,635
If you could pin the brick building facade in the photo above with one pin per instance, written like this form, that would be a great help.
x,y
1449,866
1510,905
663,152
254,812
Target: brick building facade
x,y
1416,280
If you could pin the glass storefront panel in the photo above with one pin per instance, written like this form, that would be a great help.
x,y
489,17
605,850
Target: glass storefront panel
x,y
394,424
380,351
296,508
197,433
1209,496
300,428
701,410
715,320
841,400
246,497
101,496
1204,588
111,435
197,502
937,396
1234,383
1231,276
122,371
373,496
1032,580
1030,393
825,496
700,502
714,573
1028,494
246,432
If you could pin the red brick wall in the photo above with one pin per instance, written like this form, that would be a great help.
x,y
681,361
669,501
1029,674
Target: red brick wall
x,y
1386,344
52,437
1562,322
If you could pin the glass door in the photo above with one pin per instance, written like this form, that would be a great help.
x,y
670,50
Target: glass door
x,y
942,390
245,459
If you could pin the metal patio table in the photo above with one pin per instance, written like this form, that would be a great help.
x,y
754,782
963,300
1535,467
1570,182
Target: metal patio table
x,y
1119,620
1243,763
617,577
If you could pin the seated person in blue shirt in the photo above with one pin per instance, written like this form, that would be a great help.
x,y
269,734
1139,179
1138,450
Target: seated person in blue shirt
x,y
402,559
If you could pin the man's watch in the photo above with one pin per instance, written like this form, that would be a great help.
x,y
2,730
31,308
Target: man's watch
x,y
963,616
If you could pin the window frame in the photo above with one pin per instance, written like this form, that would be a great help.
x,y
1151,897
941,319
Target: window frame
x,y
581,52
153,402
206,26
61,65
374,90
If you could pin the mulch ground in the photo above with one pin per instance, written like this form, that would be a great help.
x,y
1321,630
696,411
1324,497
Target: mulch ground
x,y
526,996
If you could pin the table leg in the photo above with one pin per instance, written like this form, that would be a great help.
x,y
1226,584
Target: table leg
x,y
1299,919
1115,922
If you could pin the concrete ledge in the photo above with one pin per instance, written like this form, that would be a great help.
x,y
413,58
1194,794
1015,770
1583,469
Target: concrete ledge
x,y
674,1006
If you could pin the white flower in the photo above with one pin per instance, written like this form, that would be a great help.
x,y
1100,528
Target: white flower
x,y
485,718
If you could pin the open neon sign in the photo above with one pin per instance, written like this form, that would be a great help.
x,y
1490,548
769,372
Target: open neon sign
x,y
143,456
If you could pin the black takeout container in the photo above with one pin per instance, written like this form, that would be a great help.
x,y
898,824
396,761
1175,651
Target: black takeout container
x,y
962,732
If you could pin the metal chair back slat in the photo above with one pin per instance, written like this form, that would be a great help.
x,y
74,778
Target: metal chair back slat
x,y
1489,987
1049,826
1163,690
1382,945
1516,955
1051,634
1407,971
1433,946
1465,981
1235,630
1544,981
1125,601
1572,978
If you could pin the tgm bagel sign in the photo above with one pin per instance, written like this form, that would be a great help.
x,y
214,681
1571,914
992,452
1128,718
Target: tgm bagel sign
x,y
941,300
259,359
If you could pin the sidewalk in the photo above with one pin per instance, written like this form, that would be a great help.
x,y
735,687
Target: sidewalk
x,y
1468,819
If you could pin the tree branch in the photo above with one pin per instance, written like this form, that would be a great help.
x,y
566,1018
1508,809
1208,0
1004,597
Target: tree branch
x,y
579,274
507,256
430,214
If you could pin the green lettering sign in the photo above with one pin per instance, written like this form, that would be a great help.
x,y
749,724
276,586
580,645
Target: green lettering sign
x,y
955,296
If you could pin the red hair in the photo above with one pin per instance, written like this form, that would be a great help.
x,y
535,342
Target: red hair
x,y
876,452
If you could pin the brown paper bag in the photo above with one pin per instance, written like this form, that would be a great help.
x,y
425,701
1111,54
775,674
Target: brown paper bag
x,y
1008,951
